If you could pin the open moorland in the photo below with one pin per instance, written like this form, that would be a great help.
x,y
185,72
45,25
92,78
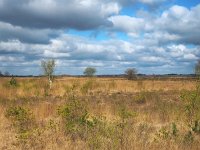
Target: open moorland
x,y
99,113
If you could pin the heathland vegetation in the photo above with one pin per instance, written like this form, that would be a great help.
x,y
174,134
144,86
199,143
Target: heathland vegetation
x,y
99,113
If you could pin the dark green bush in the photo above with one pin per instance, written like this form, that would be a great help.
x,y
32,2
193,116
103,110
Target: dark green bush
x,y
13,82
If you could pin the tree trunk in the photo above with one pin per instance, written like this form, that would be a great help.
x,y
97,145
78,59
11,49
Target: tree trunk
x,y
50,82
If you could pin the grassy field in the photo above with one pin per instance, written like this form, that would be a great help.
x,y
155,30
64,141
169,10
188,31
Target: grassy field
x,y
99,113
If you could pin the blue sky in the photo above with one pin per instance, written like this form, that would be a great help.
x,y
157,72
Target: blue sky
x,y
153,36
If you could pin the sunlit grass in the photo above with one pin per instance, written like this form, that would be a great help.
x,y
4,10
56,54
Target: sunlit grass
x,y
118,113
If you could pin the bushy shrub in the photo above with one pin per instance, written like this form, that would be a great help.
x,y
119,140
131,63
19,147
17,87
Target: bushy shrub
x,y
71,91
191,100
124,125
21,118
79,124
141,98
174,129
196,127
13,82
163,133
76,119
188,138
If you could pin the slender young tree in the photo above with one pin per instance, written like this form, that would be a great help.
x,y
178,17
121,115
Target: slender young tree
x,y
48,67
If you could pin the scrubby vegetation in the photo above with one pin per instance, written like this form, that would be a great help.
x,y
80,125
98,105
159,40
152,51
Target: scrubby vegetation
x,y
99,113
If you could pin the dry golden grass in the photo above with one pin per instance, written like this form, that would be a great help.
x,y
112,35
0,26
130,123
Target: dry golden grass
x,y
156,104
32,87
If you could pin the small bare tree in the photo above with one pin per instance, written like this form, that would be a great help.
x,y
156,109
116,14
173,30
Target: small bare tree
x,y
48,69
131,73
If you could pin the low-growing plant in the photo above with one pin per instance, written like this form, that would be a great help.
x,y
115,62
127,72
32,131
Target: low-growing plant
x,y
23,121
140,85
163,133
168,133
79,124
191,101
53,125
196,127
21,118
13,82
71,91
188,138
126,121
102,135
140,98
87,86
174,129
163,109
125,114
46,90
76,119
112,84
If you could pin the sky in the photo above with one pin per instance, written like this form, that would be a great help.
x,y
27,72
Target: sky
x,y
153,36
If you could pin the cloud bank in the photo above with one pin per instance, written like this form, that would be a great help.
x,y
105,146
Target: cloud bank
x,y
164,41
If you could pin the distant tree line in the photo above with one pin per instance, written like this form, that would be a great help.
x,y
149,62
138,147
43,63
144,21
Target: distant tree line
x,y
130,73
48,68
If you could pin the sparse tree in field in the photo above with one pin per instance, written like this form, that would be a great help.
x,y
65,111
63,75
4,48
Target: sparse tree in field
x,y
131,73
89,71
197,68
1,74
48,69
